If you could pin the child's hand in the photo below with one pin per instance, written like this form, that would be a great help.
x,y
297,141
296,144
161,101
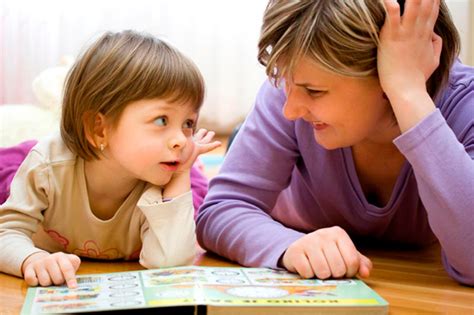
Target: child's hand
x,y
45,269
181,182
326,253
409,50
201,144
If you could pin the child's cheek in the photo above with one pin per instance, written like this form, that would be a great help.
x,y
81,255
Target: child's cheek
x,y
188,149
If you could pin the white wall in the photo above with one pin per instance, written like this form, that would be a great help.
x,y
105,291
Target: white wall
x,y
462,12
219,35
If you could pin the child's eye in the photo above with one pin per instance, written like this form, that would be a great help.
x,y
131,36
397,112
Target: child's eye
x,y
188,124
161,121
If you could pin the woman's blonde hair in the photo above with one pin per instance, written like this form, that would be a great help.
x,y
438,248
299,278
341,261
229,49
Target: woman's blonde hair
x,y
117,69
340,35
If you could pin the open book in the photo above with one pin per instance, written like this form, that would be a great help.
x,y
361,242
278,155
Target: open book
x,y
207,290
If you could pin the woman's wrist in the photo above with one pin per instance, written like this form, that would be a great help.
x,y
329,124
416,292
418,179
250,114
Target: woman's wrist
x,y
410,106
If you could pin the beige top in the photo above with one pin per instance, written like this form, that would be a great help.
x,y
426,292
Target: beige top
x,y
48,209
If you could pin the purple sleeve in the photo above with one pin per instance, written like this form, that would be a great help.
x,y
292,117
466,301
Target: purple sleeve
x,y
198,187
444,171
10,160
234,220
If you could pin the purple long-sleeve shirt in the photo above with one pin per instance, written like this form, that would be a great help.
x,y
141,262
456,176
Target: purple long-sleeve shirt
x,y
277,184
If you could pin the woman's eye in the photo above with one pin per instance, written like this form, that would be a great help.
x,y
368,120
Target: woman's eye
x,y
161,121
313,92
188,124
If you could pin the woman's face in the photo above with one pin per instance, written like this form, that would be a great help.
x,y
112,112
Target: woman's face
x,y
344,111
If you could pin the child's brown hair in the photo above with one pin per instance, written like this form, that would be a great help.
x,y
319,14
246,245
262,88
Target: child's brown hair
x,y
117,69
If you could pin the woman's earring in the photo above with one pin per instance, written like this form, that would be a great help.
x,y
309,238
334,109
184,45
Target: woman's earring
x,y
102,147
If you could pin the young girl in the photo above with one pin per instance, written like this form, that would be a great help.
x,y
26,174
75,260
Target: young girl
x,y
115,184
370,135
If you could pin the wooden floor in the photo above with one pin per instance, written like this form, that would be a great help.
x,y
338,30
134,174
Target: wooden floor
x,y
412,281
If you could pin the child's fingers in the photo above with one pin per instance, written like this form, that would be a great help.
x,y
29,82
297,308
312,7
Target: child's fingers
x,y
52,266
68,271
42,274
203,148
208,137
75,261
199,134
30,276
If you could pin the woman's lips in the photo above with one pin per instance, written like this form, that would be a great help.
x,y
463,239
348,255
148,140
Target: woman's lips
x,y
318,125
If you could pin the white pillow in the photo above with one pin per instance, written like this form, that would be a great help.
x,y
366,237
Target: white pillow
x,y
20,122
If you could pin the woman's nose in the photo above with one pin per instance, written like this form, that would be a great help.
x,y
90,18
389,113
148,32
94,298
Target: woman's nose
x,y
293,108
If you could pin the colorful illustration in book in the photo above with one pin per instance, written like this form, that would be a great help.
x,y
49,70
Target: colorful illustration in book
x,y
179,272
61,308
174,293
197,286
168,281
62,298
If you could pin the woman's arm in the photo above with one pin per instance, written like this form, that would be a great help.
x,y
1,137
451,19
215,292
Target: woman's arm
x,y
235,220
409,53
444,171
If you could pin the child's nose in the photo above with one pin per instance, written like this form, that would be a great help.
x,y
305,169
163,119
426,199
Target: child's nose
x,y
177,141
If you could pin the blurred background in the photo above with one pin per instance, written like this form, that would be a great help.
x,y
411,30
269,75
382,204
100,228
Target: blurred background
x,y
219,36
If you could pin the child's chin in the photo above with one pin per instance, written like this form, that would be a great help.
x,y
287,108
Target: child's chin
x,y
163,181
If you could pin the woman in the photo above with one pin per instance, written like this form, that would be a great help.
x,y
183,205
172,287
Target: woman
x,y
365,130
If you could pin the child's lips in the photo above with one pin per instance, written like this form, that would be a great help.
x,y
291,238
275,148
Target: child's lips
x,y
170,166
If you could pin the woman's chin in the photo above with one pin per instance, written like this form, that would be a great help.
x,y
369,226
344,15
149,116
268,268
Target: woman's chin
x,y
328,145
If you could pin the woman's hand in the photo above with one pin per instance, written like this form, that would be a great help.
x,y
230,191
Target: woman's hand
x,y
46,269
409,50
326,253
408,54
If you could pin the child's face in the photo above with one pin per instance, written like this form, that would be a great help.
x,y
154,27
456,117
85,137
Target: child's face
x,y
344,111
151,139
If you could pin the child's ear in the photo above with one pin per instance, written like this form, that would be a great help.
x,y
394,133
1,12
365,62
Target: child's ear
x,y
95,128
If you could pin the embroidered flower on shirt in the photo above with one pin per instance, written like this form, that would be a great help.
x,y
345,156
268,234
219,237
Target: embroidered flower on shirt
x,y
58,238
91,249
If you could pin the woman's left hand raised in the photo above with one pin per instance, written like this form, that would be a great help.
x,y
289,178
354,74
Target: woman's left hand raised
x,y
409,50
408,54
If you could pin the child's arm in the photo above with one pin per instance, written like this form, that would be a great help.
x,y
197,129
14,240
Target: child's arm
x,y
168,235
181,182
22,212
20,216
